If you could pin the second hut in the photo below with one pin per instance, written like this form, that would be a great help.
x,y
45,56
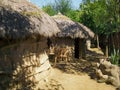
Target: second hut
x,y
73,35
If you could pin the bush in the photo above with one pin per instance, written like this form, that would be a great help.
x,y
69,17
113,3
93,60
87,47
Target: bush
x,y
115,57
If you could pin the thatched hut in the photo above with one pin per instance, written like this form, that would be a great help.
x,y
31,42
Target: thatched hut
x,y
72,34
24,29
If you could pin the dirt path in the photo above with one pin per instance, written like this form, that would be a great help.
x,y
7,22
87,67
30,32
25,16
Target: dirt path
x,y
77,82
76,75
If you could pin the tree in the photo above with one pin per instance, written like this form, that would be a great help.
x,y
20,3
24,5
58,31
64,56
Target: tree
x,y
74,15
63,6
102,16
49,9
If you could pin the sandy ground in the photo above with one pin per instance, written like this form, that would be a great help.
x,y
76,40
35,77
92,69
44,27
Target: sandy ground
x,y
59,80
77,82
76,76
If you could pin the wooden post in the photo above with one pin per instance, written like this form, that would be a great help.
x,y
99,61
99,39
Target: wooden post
x,y
106,52
106,48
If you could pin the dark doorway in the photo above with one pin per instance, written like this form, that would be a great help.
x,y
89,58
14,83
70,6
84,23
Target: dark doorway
x,y
76,47
49,42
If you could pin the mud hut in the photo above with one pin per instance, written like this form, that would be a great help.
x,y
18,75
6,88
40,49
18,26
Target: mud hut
x,y
72,34
24,29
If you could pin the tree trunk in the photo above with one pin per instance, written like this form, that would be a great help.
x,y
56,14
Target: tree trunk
x,y
113,41
97,37
106,52
106,48
117,38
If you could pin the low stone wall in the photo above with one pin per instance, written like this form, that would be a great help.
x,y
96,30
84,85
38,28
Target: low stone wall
x,y
108,72
23,65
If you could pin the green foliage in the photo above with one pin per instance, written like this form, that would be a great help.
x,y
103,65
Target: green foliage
x,y
101,15
115,57
49,9
87,20
74,15
63,6
91,14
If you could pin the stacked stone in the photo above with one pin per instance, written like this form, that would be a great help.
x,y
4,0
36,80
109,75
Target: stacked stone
x,y
108,72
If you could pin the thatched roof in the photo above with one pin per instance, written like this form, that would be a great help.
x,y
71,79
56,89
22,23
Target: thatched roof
x,y
20,19
71,29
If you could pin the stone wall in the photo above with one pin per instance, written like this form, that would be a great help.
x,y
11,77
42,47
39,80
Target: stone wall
x,y
108,73
23,64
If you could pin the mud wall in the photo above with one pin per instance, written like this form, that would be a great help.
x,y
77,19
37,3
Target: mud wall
x,y
23,64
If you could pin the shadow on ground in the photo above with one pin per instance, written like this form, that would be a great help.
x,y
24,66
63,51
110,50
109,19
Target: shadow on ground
x,y
82,66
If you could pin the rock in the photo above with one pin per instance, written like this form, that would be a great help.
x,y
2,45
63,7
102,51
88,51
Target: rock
x,y
101,75
106,63
108,72
115,75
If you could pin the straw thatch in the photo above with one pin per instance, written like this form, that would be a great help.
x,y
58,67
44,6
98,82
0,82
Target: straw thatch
x,y
19,19
71,29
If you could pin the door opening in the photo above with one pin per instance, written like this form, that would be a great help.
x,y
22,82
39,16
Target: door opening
x,y
76,48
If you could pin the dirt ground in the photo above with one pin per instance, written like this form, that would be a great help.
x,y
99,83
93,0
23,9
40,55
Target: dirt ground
x,y
77,75
60,80
78,82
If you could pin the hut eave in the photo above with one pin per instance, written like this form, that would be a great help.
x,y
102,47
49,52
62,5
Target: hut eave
x,y
69,28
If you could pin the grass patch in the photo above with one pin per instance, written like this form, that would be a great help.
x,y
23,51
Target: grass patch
x,y
34,14
115,57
